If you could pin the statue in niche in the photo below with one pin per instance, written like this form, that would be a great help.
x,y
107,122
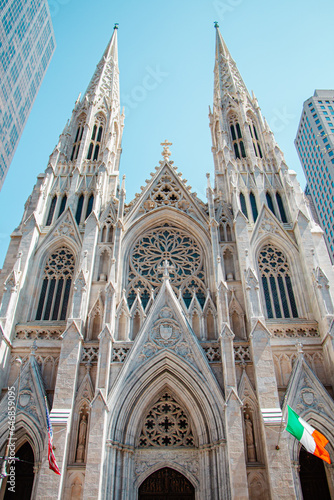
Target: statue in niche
x,y
82,439
251,453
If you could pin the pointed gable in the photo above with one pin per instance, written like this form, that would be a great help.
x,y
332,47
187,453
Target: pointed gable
x,y
166,189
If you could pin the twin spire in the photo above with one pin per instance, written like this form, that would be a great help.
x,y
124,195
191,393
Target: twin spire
x,y
105,81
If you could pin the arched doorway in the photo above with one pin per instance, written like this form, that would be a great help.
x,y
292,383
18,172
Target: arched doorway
x,y
313,478
24,474
166,484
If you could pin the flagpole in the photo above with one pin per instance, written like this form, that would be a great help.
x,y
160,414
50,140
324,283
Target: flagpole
x,y
282,421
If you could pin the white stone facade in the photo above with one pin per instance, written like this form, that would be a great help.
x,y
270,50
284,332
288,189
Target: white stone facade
x,y
167,331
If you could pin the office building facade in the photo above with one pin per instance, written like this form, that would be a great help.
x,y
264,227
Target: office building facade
x,y
27,45
315,148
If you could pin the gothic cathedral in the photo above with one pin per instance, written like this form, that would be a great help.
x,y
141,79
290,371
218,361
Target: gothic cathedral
x,y
167,333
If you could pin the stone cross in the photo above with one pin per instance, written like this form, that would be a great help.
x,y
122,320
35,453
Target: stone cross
x,y
165,269
166,153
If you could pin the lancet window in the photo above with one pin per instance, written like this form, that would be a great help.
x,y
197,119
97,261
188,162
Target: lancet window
x,y
51,211
253,204
185,260
255,140
56,286
243,205
281,208
77,142
84,203
277,283
62,205
237,140
225,232
279,205
166,424
96,139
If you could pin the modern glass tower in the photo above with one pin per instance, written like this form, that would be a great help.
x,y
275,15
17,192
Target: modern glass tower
x,y
315,143
26,47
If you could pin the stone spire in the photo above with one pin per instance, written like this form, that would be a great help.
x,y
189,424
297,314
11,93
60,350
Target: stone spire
x,y
228,81
105,81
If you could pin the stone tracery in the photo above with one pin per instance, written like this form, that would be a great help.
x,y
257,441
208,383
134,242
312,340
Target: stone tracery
x,y
183,253
166,424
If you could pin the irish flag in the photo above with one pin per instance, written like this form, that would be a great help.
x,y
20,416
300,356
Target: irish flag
x,y
312,440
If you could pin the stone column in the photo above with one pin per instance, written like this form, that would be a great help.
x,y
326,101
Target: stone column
x,y
234,427
96,448
50,485
278,461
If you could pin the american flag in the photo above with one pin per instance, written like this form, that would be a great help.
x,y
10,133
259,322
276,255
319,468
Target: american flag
x,y
51,457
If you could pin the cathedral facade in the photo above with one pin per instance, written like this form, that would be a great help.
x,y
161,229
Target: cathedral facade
x,y
167,333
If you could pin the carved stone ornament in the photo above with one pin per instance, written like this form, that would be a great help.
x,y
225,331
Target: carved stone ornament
x,y
185,459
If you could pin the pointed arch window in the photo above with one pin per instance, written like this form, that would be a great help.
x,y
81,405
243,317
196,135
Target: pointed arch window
x,y
255,140
243,205
270,202
237,140
89,205
62,205
56,286
252,200
281,208
79,208
77,142
95,141
51,211
277,284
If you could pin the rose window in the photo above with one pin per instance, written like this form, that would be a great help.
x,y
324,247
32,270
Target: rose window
x,y
166,424
184,257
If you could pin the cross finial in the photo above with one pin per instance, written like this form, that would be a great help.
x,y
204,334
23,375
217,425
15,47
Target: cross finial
x,y
33,348
165,269
216,25
166,153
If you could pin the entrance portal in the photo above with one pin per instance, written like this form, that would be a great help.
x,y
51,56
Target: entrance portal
x,y
166,484
24,474
313,477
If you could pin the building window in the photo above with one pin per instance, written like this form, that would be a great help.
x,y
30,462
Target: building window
x,y
95,141
51,211
256,142
89,205
56,286
281,208
270,202
276,282
237,141
77,142
79,209
243,205
253,206
62,205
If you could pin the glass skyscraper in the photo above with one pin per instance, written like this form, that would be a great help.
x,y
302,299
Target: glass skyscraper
x,y
315,147
27,44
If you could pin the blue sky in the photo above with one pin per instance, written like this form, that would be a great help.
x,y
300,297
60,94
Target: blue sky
x,y
284,50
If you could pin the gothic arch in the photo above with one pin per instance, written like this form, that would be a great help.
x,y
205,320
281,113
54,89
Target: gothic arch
x,y
40,260
172,465
296,275
205,404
